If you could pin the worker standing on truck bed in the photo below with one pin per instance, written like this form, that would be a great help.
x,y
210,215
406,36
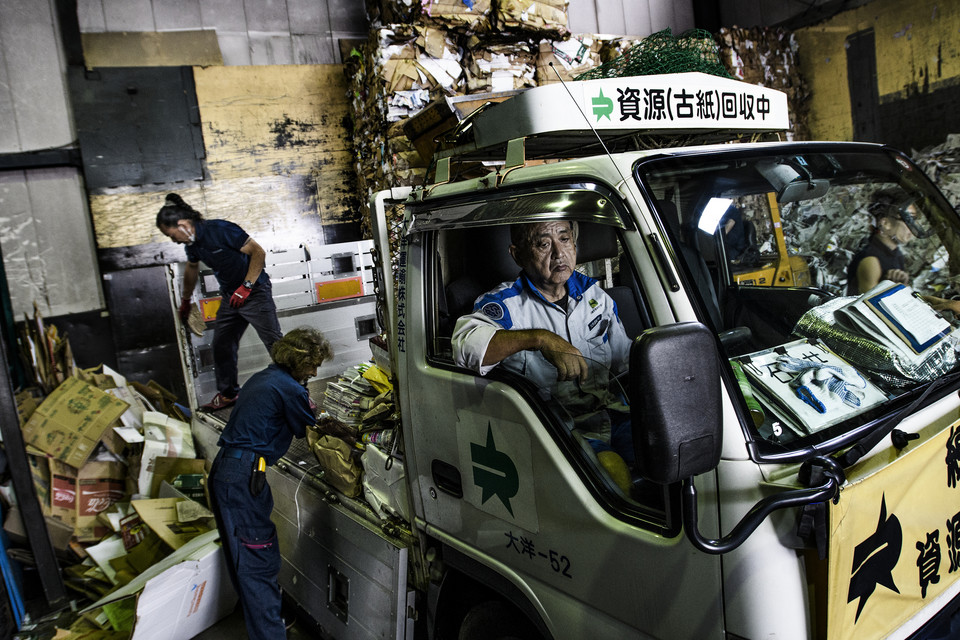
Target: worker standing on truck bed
x,y
521,324
274,408
246,293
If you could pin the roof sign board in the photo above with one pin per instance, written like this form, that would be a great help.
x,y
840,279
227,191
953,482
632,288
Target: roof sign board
x,y
669,103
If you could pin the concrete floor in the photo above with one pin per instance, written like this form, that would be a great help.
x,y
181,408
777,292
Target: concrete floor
x,y
233,628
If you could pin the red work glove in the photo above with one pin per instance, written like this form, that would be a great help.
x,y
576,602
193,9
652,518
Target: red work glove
x,y
184,310
240,296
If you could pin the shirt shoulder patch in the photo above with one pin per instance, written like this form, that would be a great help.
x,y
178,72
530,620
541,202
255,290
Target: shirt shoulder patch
x,y
493,310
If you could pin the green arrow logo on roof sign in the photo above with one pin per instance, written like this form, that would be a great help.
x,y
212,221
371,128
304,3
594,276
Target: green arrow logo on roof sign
x,y
494,472
602,106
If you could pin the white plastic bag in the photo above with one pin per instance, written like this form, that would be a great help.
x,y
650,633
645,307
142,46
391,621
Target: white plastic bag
x,y
383,483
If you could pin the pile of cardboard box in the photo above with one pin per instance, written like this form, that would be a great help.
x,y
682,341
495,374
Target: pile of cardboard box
x,y
422,52
768,56
122,491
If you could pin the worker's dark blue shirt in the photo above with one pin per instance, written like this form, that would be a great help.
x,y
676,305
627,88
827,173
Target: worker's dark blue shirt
x,y
271,409
217,244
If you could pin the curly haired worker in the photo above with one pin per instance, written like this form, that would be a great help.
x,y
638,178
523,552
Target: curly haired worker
x,y
246,293
275,407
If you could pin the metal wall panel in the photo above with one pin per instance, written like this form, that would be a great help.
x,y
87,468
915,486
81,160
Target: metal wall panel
x,y
347,17
314,49
47,243
637,18
269,48
582,16
91,17
9,136
308,16
225,15
267,15
137,125
176,14
630,17
610,17
128,15
30,51
235,48
146,350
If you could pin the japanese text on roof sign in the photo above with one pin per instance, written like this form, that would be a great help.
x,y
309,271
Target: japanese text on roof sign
x,y
678,105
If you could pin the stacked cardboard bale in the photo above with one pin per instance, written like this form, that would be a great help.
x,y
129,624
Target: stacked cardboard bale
x,y
569,58
768,57
442,48
538,16
472,16
398,72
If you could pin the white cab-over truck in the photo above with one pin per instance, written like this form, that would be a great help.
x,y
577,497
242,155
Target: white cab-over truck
x,y
797,472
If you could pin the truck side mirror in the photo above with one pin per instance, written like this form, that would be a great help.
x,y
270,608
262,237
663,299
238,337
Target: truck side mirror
x,y
675,403
678,431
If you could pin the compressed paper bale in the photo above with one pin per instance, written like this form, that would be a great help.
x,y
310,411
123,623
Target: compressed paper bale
x,y
540,16
570,58
469,16
500,67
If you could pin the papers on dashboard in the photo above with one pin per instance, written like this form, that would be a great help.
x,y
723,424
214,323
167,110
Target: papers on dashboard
x,y
808,386
893,315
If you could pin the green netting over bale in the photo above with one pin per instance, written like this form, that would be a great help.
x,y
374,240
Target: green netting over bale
x,y
663,52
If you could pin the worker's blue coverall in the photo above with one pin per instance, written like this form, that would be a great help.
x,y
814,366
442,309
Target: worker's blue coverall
x,y
272,409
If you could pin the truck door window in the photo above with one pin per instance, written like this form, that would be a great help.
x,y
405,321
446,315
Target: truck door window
x,y
470,263
792,239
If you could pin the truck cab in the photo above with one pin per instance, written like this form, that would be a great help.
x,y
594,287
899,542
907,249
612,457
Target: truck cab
x,y
792,475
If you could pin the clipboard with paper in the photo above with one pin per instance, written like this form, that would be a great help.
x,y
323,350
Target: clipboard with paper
x,y
908,316
807,386
892,315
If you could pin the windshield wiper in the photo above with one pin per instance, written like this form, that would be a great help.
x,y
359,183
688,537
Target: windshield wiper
x,y
865,444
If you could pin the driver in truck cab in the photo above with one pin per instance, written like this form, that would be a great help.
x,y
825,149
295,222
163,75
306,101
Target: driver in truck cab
x,y
560,330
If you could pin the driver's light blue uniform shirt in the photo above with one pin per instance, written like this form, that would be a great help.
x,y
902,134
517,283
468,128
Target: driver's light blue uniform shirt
x,y
590,323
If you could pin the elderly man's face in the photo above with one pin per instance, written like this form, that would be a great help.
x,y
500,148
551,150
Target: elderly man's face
x,y
549,256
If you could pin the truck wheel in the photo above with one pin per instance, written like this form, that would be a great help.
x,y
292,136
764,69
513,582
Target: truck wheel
x,y
496,620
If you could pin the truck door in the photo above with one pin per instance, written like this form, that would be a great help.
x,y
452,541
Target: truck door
x,y
505,477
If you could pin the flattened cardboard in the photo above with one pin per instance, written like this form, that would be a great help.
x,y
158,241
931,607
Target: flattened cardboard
x,y
167,468
161,516
71,420
178,597
163,436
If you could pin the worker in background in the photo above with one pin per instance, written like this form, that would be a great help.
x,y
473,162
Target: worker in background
x,y
521,325
246,293
275,407
897,221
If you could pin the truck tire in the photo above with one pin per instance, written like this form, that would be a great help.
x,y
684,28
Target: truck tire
x,y
496,620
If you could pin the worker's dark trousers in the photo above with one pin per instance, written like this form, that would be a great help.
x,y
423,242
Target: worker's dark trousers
x,y
249,540
260,312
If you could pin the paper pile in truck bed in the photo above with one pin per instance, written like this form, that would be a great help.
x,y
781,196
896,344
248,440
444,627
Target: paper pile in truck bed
x,y
122,491
356,440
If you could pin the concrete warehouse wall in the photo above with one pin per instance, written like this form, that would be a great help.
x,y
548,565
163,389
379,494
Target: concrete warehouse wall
x,y
47,238
906,95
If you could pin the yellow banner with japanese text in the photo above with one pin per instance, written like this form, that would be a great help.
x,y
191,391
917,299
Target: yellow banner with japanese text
x,y
895,540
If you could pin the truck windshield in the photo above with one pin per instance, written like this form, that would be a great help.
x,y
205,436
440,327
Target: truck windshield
x,y
829,273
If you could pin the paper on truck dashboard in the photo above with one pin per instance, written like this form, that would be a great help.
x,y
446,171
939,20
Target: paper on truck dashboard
x,y
893,315
808,386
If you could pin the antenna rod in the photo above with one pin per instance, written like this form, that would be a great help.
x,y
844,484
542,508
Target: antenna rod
x,y
587,120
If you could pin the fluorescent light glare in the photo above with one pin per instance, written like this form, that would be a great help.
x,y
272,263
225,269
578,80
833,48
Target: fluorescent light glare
x,y
712,213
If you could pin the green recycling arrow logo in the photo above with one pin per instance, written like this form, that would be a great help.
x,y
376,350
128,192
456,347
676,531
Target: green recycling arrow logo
x,y
602,106
494,472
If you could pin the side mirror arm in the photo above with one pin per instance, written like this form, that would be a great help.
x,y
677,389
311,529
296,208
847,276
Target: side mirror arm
x,y
821,467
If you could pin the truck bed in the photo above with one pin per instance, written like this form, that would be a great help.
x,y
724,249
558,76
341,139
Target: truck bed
x,y
340,564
